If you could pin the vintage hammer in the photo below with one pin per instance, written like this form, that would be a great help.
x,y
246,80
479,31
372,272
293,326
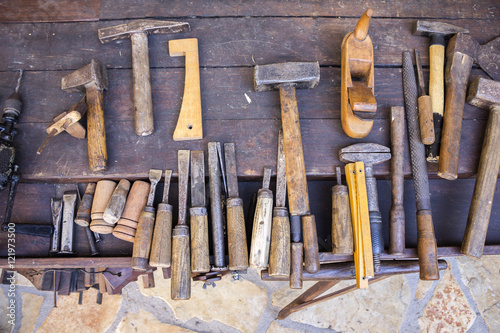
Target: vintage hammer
x,y
484,93
138,30
437,31
92,79
287,77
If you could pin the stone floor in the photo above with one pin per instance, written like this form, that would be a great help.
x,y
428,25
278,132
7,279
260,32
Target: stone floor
x,y
466,298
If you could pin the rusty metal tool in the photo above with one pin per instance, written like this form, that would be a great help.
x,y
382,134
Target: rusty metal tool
x,y
200,261
138,31
370,154
161,247
67,121
461,53
485,94
488,58
424,107
181,266
214,171
342,237
145,226
68,215
437,31
236,231
358,104
397,211
426,241
262,222
56,206
92,79
287,77
279,259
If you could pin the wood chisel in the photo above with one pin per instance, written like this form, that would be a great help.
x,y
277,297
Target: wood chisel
x,y
116,203
236,231
161,247
180,287
56,206
103,192
279,260
69,205
216,213
342,238
262,222
144,234
126,226
200,261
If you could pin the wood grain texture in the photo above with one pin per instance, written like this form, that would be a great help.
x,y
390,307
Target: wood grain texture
x,y
127,224
427,246
237,246
116,203
49,11
279,259
436,92
161,246
342,237
426,120
143,239
200,262
103,192
297,267
96,137
181,266
261,232
84,210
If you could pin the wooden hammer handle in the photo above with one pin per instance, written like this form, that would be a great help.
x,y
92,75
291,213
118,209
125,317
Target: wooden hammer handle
x,y
426,246
98,154
484,190
436,92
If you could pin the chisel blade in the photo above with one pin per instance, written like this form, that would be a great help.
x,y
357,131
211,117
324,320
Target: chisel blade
x,y
183,174
231,173
281,173
198,179
166,186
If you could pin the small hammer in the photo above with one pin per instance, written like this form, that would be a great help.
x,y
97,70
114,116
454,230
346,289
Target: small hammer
x,y
138,30
484,93
437,31
92,79
287,77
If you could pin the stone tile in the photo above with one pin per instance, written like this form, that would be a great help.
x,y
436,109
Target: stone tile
x,y
277,328
423,288
482,276
283,296
4,311
237,304
22,281
88,317
31,310
448,309
146,322
380,308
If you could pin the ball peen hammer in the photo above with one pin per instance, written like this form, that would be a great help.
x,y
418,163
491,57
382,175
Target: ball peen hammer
x,y
287,77
137,31
483,93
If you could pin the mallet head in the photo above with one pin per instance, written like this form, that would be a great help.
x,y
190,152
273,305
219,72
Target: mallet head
x,y
302,75
124,31
484,93
368,153
93,74
429,28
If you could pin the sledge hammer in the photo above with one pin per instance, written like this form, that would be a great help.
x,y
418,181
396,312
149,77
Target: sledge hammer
x,y
138,31
287,77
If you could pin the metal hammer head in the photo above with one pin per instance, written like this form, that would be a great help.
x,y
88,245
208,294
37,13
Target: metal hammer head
x,y
368,153
463,43
484,93
124,31
93,74
428,28
302,75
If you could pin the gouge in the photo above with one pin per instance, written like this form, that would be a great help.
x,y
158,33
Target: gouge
x,y
200,262
161,248
145,225
214,169
180,287
279,259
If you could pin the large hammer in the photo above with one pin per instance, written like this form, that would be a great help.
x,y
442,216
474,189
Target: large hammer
x,y
484,93
137,31
287,77
92,79
437,31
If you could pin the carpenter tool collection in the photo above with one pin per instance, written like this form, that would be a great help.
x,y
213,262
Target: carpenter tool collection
x,y
283,240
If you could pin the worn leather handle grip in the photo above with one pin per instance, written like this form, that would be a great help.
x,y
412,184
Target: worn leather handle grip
x,y
98,153
426,246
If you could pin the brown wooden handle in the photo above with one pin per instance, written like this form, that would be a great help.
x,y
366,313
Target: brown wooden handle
x,y
342,237
261,232
161,246
458,67
426,246
104,190
484,190
98,154
426,120
296,266
279,259
127,225
296,181
361,29
436,92
200,262
84,210
236,235
180,287
311,248
116,203
143,237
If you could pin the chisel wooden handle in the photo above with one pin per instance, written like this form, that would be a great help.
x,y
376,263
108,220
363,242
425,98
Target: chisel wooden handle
x,y
342,237
236,235
311,248
103,192
426,246
161,246
200,262
116,203
143,237
279,260
181,266
296,270
83,213
98,154
261,233
126,226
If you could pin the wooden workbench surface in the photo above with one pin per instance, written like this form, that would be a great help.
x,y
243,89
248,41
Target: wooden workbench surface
x,y
51,41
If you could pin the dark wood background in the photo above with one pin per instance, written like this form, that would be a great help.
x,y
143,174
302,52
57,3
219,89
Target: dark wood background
x,y
50,39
